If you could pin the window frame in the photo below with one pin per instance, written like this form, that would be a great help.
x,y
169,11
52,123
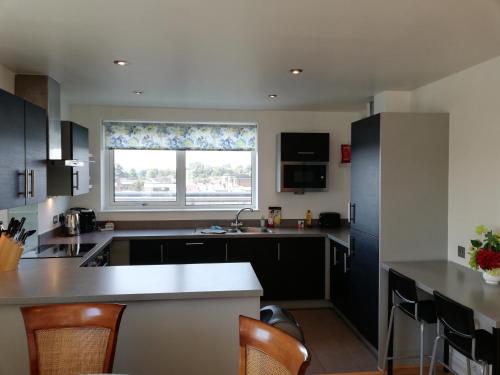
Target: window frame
x,y
179,204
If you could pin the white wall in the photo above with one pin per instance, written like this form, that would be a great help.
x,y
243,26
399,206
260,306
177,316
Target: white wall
x,y
270,123
392,101
472,97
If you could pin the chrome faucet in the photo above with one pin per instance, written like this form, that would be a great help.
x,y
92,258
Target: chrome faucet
x,y
237,222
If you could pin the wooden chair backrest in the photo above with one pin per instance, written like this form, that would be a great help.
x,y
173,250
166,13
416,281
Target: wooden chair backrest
x,y
72,338
265,349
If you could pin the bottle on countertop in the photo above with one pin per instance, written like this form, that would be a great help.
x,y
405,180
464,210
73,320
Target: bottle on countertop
x,y
309,218
262,221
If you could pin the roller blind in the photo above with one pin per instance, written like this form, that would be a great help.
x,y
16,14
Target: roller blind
x,y
178,136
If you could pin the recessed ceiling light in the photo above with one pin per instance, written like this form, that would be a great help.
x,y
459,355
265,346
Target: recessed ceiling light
x,y
296,71
272,96
138,92
121,62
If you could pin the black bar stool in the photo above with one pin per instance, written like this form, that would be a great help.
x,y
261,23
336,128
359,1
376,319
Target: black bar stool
x,y
460,332
405,299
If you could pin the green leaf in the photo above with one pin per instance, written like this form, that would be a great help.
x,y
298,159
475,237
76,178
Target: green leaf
x,y
476,243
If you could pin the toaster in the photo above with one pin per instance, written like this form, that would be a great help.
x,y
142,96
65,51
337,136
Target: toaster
x,y
329,219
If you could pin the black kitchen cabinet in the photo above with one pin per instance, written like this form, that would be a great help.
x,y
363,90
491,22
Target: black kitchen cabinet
x,y
262,253
305,147
36,152
363,284
195,251
177,251
71,176
365,175
23,147
143,252
301,263
339,278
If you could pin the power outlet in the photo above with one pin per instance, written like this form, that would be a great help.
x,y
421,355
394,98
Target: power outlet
x,y
55,219
461,251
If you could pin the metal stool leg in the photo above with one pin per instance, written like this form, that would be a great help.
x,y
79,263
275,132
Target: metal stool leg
x,y
434,353
388,339
422,327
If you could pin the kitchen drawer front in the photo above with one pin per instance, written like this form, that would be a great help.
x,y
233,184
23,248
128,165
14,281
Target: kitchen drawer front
x,y
145,252
198,250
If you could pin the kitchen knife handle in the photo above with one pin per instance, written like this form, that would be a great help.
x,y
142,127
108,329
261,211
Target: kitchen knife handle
x,y
77,175
23,193
32,183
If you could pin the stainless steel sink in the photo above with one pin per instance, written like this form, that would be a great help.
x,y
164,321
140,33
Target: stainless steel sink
x,y
241,230
255,230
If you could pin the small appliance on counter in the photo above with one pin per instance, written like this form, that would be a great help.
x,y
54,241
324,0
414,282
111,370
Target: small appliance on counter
x,y
87,219
72,223
329,219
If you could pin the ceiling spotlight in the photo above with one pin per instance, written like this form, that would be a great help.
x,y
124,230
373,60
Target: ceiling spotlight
x,y
295,71
138,92
272,96
121,62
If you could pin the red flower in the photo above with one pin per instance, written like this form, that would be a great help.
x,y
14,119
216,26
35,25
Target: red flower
x,y
488,259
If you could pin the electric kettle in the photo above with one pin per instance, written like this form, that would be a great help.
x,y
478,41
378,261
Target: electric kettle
x,y
72,223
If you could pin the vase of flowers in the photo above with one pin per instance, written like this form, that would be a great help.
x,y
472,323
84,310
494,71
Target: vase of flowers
x,y
485,254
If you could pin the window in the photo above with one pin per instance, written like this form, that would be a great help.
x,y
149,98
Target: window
x,y
179,166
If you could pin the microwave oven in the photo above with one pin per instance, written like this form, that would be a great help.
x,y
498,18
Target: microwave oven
x,y
301,177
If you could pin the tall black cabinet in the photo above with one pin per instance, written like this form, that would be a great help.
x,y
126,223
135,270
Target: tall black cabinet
x,y
398,210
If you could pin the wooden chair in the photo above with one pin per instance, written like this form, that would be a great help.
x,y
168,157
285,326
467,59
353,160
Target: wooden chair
x,y
71,339
265,350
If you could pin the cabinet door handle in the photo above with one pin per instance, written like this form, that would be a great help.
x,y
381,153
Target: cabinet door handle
x,y
353,215
345,263
32,180
305,152
334,256
348,212
25,192
162,256
226,251
279,251
195,243
77,175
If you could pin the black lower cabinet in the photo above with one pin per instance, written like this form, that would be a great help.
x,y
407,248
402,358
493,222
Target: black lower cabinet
x,y
287,268
301,268
195,251
262,253
363,281
143,252
339,278
354,283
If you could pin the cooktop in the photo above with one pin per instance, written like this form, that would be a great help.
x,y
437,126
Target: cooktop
x,y
59,251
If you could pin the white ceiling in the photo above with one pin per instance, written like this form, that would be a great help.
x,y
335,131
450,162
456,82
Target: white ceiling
x,y
233,53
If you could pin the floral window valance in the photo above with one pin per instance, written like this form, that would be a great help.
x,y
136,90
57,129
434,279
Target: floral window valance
x,y
175,136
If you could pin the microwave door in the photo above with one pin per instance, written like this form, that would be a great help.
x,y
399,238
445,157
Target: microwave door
x,y
303,177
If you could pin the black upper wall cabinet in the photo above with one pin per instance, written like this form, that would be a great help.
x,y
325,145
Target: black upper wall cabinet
x,y
23,152
306,147
70,176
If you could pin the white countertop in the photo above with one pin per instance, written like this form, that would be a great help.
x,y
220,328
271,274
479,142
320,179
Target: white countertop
x,y
459,283
60,280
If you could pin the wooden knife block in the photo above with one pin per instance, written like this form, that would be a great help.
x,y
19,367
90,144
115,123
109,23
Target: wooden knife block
x,y
10,253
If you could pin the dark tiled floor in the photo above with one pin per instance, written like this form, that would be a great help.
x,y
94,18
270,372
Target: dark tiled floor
x,y
333,346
